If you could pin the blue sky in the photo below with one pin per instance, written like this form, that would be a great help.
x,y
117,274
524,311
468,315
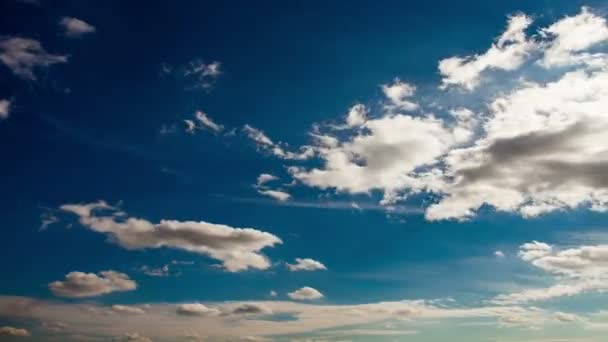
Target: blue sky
x,y
304,171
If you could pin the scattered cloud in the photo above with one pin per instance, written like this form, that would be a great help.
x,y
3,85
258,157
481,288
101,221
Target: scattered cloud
x,y
306,264
74,27
197,73
196,309
237,248
80,284
305,293
499,254
23,55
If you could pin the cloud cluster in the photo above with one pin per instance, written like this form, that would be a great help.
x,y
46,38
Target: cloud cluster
x,y
23,55
237,248
80,284
533,147
264,143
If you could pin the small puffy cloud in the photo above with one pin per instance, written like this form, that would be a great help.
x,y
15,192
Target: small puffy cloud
x,y
305,293
306,264
75,27
508,53
22,56
265,178
80,284
125,309
357,115
399,94
5,108
499,254
278,195
273,293
237,248
196,309
15,332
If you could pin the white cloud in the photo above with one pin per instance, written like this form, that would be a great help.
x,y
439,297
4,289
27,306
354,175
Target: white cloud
x,y
264,143
23,55
305,293
578,270
125,309
203,74
155,272
206,122
508,53
357,115
237,248
80,284
273,293
306,264
278,195
571,36
5,108
499,254
265,178
196,309
75,27
399,94
11,331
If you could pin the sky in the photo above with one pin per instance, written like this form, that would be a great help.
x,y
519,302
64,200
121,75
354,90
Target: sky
x,y
304,171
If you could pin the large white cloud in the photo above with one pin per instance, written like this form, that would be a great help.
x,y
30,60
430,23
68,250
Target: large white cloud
x,y
23,55
536,145
80,284
237,248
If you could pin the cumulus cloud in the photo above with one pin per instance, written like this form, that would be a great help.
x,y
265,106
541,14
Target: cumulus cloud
x,y
74,27
399,93
5,108
578,270
356,115
16,332
237,248
508,53
499,254
229,309
533,147
305,293
265,178
23,55
571,36
306,264
80,284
